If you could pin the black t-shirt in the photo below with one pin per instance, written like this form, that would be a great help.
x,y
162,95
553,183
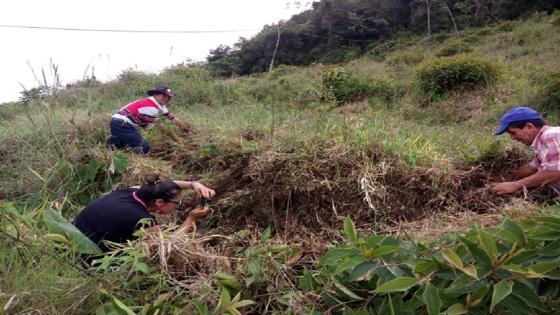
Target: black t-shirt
x,y
114,218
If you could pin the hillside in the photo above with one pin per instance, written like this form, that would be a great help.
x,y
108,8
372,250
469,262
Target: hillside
x,y
296,156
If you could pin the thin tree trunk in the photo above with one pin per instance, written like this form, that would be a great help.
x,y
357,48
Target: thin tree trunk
x,y
451,16
428,18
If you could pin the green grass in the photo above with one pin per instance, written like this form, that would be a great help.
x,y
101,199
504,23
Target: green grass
x,y
55,150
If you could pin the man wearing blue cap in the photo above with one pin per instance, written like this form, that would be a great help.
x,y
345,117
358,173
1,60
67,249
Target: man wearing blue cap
x,y
526,125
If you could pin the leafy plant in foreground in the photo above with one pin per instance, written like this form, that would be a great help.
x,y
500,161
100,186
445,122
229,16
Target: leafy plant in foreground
x,y
513,269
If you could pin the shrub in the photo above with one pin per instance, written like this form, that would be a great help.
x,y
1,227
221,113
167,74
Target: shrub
x,y
281,70
342,86
507,26
382,48
550,90
454,47
444,74
556,18
472,38
439,38
504,270
404,57
382,89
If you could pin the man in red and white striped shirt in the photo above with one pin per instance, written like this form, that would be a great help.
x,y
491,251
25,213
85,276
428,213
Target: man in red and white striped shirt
x,y
526,125
141,113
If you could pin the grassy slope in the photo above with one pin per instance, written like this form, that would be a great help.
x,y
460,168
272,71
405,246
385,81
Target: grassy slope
x,y
279,120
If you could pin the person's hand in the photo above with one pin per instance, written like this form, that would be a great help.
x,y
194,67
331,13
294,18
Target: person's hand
x,y
505,188
198,212
188,128
202,190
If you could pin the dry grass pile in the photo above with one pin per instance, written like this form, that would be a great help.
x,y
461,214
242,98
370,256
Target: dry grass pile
x,y
319,189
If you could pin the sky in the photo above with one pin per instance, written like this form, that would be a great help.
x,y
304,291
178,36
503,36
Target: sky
x,y
77,53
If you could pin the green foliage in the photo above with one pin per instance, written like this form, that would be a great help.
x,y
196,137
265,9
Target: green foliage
x,y
341,86
512,269
63,231
556,19
454,47
409,58
441,75
550,90
282,70
471,38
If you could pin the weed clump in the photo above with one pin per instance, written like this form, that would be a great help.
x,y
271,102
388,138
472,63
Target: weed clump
x,y
341,86
454,47
408,58
472,38
556,19
550,90
445,74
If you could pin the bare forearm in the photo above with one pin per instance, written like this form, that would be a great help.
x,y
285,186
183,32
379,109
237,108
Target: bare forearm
x,y
185,184
525,171
187,225
179,123
540,178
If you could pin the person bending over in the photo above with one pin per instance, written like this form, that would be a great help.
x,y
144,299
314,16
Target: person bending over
x,y
526,125
116,216
139,114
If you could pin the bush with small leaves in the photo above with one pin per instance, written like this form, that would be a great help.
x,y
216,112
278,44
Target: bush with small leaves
x,y
550,90
341,86
555,19
454,47
408,58
441,75
472,38
384,90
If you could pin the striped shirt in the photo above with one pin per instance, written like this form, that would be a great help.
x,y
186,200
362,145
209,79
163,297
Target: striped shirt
x,y
143,112
546,150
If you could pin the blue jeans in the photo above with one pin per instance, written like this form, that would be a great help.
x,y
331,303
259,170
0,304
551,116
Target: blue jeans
x,y
124,135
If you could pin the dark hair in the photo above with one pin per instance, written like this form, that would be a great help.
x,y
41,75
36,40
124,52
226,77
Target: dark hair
x,y
539,123
154,188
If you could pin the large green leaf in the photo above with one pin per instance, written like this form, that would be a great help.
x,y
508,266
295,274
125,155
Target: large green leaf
x,y
80,243
265,235
545,267
349,263
432,300
551,250
307,282
488,245
397,285
382,250
350,230
345,290
363,271
335,255
516,229
483,261
456,309
119,162
452,258
501,290
528,295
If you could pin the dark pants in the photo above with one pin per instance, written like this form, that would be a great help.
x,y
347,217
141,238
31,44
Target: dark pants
x,y
124,135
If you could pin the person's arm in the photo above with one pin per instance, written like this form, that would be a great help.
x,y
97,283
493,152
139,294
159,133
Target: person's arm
x,y
190,221
183,125
537,179
526,170
200,189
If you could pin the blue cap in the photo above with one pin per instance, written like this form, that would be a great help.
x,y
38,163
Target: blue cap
x,y
516,114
